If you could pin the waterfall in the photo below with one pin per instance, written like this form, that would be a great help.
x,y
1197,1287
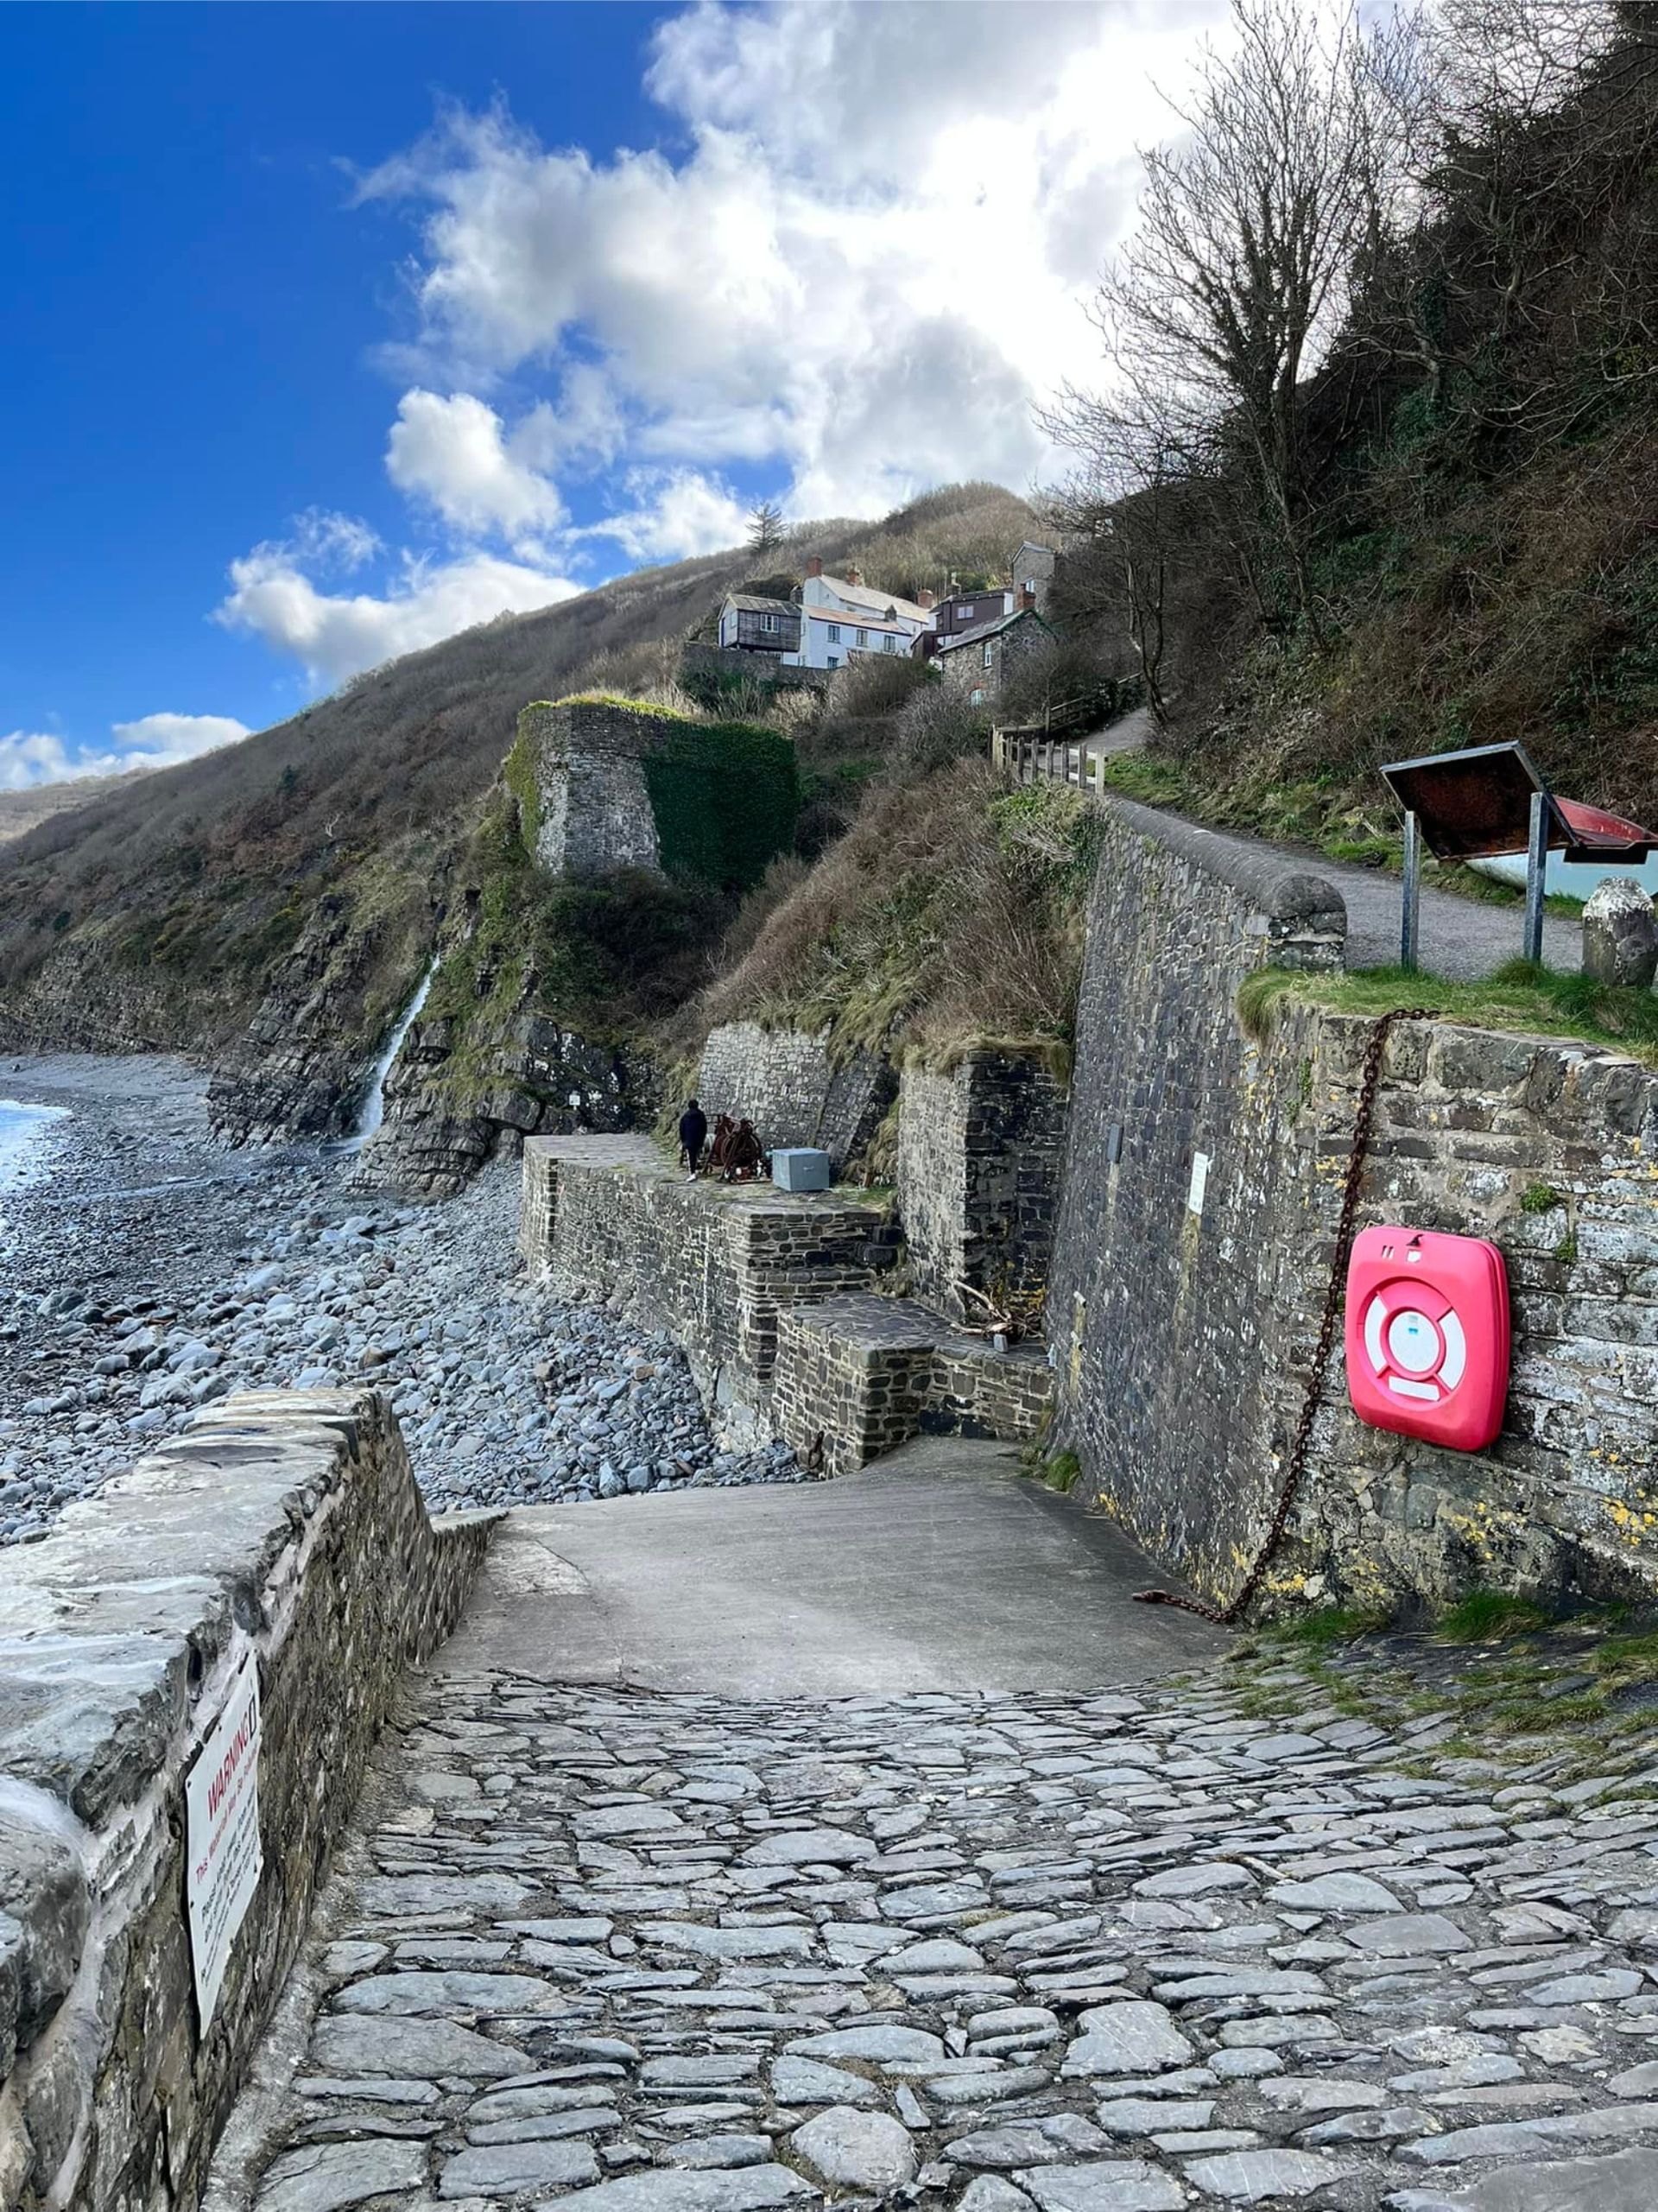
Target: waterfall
x,y
374,1103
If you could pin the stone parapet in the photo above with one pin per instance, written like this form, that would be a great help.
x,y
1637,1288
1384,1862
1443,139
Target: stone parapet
x,y
770,1296
712,1265
283,1527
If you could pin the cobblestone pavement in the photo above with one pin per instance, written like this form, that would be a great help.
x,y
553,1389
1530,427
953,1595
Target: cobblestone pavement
x,y
1124,1952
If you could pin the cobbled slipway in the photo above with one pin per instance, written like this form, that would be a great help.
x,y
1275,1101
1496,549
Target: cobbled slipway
x,y
630,1952
505,1396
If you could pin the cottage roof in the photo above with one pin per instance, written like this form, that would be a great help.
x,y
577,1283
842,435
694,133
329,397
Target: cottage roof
x,y
854,619
878,602
981,630
752,603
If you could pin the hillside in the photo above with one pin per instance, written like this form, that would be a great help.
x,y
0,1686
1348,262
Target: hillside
x,y
21,811
295,882
1470,553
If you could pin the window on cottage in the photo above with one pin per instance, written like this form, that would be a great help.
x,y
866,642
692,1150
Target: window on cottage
x,y
989,653
862,637
834,634
769,621
834,660
888,643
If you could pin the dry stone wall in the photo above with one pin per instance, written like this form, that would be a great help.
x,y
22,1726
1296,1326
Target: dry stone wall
x,y
773,1299
980,1148
786,1083
1202,1187
283,1525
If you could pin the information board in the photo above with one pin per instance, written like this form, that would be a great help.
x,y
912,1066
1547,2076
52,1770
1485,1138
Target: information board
x,y
221,1798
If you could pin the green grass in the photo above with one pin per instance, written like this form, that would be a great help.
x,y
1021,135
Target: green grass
x,y
1539,1197
1332,1624
1488,1616
1299,814
1522,997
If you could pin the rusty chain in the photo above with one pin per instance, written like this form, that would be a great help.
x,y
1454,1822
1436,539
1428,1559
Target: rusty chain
x,y
1295,1463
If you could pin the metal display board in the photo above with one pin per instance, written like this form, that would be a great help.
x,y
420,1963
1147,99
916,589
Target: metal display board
x,y
1489,800
1476,804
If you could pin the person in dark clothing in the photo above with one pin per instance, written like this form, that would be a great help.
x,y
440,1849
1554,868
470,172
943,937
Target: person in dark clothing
x,y
693,1135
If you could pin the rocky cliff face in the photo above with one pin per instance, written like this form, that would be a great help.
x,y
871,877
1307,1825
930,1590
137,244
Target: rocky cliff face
x,y
94,996
301,1064
450,1108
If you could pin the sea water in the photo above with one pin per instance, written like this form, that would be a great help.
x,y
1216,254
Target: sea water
x,y
22,1156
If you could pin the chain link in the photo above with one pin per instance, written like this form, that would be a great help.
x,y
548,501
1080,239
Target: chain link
x,y
1295,1462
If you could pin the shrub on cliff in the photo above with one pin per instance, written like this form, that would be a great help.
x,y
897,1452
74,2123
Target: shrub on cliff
x,y
951,910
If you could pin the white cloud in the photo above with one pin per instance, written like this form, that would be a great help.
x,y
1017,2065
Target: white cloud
x,y
677,513
867,269
335,635
859,272
30,757
452,452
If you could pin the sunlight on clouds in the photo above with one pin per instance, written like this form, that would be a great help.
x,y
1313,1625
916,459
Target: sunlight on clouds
x,y
861,280
452,452
676,516
30,757
336,635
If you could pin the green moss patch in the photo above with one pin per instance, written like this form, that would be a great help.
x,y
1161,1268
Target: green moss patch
x,y
1521,997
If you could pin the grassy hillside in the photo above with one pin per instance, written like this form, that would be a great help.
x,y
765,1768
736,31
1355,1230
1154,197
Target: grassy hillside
x,y
21,811
199,881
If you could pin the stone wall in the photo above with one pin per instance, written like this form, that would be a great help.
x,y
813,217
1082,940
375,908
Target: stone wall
x,y
980,1148
857,1375
787,1083
610,1219
591,809
1184,1305
771,1297
286,1525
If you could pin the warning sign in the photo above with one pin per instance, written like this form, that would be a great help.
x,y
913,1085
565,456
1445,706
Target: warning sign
x,y
221,1799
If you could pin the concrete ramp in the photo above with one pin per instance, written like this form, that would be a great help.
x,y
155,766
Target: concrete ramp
x,y
940,1568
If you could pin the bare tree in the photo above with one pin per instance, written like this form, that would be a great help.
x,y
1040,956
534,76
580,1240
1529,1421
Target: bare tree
x,y
1235,280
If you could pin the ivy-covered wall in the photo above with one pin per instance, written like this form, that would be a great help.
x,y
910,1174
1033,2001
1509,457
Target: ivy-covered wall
x,y
605,784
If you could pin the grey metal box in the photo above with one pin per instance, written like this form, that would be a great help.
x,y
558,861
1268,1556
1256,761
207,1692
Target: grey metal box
x,y
800,1167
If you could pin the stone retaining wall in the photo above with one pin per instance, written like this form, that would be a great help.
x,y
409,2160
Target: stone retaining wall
x,y
610,1219
789,1088
1184,1307
856,1376
769,1296
283,1525
980,1148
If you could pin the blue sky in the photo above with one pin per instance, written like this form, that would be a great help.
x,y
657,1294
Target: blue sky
x,y
331,329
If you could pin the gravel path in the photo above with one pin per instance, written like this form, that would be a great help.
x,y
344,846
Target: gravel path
x,y
635,1952
151,1272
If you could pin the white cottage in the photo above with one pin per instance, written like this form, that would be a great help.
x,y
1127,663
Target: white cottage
x,y
840,615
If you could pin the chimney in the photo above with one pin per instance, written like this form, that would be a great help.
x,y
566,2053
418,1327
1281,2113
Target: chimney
x,y
815,566
1027,602
924,599
854,576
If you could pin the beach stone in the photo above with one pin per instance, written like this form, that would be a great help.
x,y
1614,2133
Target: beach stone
x,y
1132,2037
363,2043
806,2081
1104,2185
1627,2182
512,2168
1258,2177
1337,1892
